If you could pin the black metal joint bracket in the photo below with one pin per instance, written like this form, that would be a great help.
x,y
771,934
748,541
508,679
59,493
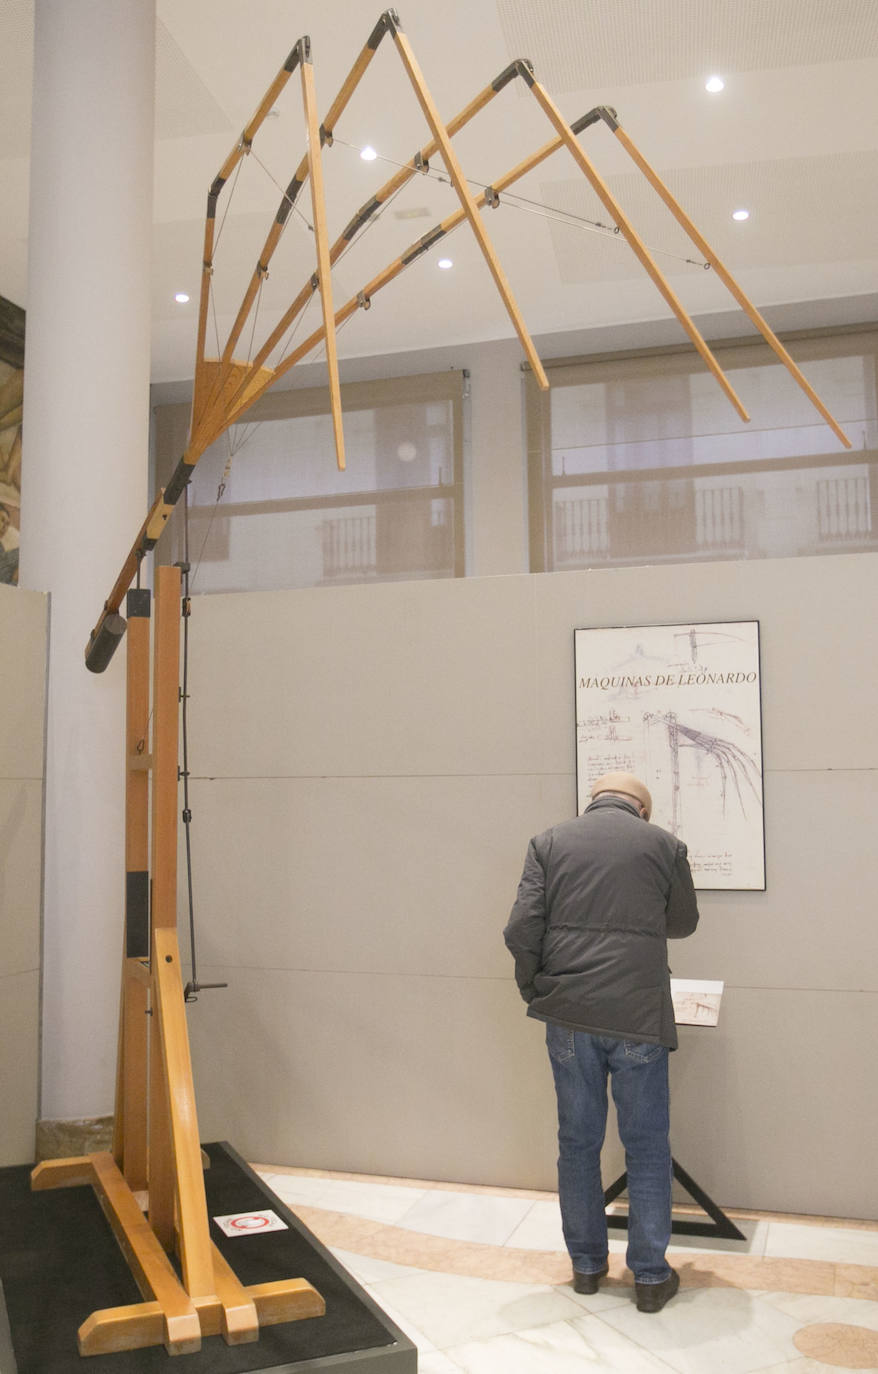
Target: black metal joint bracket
x,y
360,218
423,244
388,23
522,66
180,478
300,53
604,112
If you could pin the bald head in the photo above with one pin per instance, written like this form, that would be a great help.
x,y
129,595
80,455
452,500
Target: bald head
x,y
624,785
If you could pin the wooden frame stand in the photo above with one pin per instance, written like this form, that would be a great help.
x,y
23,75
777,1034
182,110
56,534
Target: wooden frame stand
x,y
156,1146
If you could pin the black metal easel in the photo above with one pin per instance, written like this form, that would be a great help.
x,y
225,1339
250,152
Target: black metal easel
x,y
721,1226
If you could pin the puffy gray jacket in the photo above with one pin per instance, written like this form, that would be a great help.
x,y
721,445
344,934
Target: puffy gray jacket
x,y
598,899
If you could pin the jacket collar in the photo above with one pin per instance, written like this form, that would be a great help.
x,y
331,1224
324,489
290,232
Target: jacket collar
x,y
607,800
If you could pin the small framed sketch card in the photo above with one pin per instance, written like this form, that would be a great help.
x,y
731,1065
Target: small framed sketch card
x,y
679,706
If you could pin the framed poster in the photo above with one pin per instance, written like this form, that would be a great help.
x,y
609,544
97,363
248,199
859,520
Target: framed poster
x,y
679,706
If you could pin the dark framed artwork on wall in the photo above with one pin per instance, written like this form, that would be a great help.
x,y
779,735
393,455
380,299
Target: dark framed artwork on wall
x,y
680,707
11,392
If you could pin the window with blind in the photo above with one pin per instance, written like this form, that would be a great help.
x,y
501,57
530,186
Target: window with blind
x,y
268,507
641,459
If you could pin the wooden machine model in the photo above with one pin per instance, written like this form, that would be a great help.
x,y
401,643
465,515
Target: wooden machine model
x,y
156,1143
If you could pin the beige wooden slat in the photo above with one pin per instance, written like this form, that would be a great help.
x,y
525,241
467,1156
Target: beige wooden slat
x,y
728,280
324,276
458,180
634,241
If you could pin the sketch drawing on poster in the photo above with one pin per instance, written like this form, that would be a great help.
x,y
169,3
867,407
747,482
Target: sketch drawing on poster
x,y
679,705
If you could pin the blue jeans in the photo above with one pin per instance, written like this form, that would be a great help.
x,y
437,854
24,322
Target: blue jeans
x,y
639,1078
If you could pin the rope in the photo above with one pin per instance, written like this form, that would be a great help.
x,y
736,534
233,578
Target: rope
x,y
518,202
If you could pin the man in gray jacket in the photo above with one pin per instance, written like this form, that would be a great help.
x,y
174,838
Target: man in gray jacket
x,y
598,899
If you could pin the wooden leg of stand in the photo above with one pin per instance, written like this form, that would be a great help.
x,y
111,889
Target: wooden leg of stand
x,y
168,1316
240,1319
161,1164
163,868
169,1012
286,1300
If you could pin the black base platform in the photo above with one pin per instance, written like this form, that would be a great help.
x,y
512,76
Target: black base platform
x,y
59,1261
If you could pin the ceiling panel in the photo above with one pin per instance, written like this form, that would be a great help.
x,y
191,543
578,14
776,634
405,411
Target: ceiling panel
x,y
626,42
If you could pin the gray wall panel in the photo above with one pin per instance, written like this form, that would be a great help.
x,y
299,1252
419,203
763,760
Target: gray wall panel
x,y
23,620
19,1064
814,926
432,1077
21,826
380,760
405,678
387,875
775,1108
22,682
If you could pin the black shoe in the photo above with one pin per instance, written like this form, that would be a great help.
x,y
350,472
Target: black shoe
x,y
588,1283
651,1297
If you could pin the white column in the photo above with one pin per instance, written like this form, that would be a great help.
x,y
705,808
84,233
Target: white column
x,y
86,417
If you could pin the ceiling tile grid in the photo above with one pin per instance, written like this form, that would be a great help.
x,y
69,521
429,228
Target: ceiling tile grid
x,y
627,42
790,200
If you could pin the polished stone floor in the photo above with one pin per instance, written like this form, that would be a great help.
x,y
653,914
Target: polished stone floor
x,y
480,1281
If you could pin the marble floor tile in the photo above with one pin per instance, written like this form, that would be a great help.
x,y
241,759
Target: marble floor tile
x,y
293,1188
466,1216
802,1365
418,1337
755,1233
451,1310
366,1269
711,1329
378,1202
809,1309
436,1362
539,1228
840,1245
608,1295
557,1348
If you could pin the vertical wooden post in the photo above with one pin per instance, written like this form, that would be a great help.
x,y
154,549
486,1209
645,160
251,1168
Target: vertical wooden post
x,y
176,1177
130,1122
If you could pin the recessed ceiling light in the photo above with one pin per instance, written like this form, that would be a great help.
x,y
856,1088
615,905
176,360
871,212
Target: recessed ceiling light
x,y
714,84
445,263
368,154
740,214
181,298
